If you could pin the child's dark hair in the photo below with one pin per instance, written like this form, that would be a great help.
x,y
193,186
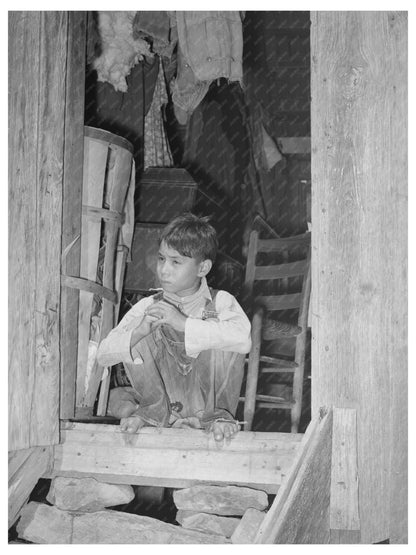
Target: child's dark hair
x,y
191,236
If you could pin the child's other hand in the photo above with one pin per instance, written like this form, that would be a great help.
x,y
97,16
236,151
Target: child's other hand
x,y
165,313
224,430
143,329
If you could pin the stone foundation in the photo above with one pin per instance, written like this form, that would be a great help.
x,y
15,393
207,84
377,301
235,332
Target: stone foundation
x,y
79,514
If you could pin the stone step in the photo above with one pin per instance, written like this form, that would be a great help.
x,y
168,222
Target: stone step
x,y
208,523
45,524
87,494
220,500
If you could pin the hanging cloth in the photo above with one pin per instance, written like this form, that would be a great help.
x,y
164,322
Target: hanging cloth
x,y
156,147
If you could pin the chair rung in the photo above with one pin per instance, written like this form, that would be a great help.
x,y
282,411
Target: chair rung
x,y
277,370
279,362
271,401
282,405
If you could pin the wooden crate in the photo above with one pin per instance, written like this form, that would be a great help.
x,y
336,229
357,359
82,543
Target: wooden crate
x,y
164,193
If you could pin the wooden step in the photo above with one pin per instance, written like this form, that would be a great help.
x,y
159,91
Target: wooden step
x,y
171,457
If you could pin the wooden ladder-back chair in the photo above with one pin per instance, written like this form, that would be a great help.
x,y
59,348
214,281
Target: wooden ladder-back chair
x,y
265,328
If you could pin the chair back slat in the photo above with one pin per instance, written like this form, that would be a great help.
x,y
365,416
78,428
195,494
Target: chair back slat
x,y
283,243
279,302
280,271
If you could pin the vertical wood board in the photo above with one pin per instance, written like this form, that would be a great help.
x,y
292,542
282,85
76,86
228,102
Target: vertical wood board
x,y
37,62
344,513
359,246
44,418
24,37
71,205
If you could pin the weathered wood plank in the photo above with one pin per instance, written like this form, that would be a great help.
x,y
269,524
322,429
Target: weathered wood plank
x,y
397,330
174,458
37,93
72,205
23,128
44,417
344,513
266,532
300,511
359,214
37,461
173,438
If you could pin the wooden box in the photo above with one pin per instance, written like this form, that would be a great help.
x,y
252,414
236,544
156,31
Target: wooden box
x,y
164,193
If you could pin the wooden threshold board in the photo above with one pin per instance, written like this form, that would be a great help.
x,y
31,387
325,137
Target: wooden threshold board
x,y
174,457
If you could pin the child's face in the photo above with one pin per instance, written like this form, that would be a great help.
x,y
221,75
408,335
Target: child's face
x,y
179,274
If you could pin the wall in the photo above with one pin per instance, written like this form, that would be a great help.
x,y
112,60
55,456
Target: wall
x,y
37,59
359,248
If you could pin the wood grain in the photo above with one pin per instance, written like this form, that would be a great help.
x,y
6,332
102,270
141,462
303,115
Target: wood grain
x,y
300,511
36,111
44,418
359,254
344,513
24,39
175,458
36,461
71,205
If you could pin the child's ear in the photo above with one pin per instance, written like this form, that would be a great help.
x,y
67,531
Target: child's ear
x,y
204,267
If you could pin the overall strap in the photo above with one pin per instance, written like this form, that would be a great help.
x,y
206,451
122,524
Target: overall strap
x,y
158,296
209,310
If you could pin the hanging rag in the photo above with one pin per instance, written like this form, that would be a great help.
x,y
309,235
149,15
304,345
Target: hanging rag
x,y
119,51
156,147
156,27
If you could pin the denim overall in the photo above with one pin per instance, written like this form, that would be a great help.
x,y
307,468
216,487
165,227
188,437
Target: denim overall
x,y
170,385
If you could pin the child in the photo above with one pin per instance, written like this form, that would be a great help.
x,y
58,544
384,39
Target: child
x,y
183,348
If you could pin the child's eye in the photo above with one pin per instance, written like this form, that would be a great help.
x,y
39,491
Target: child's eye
x,y
160,258
176,262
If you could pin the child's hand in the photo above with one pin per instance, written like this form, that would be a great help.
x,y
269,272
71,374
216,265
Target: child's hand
x,y
165,313
143,329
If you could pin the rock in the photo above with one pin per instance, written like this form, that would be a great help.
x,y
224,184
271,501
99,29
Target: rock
x,y
114,527
220,500
43,524
211,524
87,494
248,526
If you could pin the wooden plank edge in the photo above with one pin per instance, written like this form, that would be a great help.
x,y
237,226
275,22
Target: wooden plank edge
x,y
170,466
344,519
270,524
156,481
38,464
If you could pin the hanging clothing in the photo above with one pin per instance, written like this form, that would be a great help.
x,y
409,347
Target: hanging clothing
x,y
210,47
156,147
